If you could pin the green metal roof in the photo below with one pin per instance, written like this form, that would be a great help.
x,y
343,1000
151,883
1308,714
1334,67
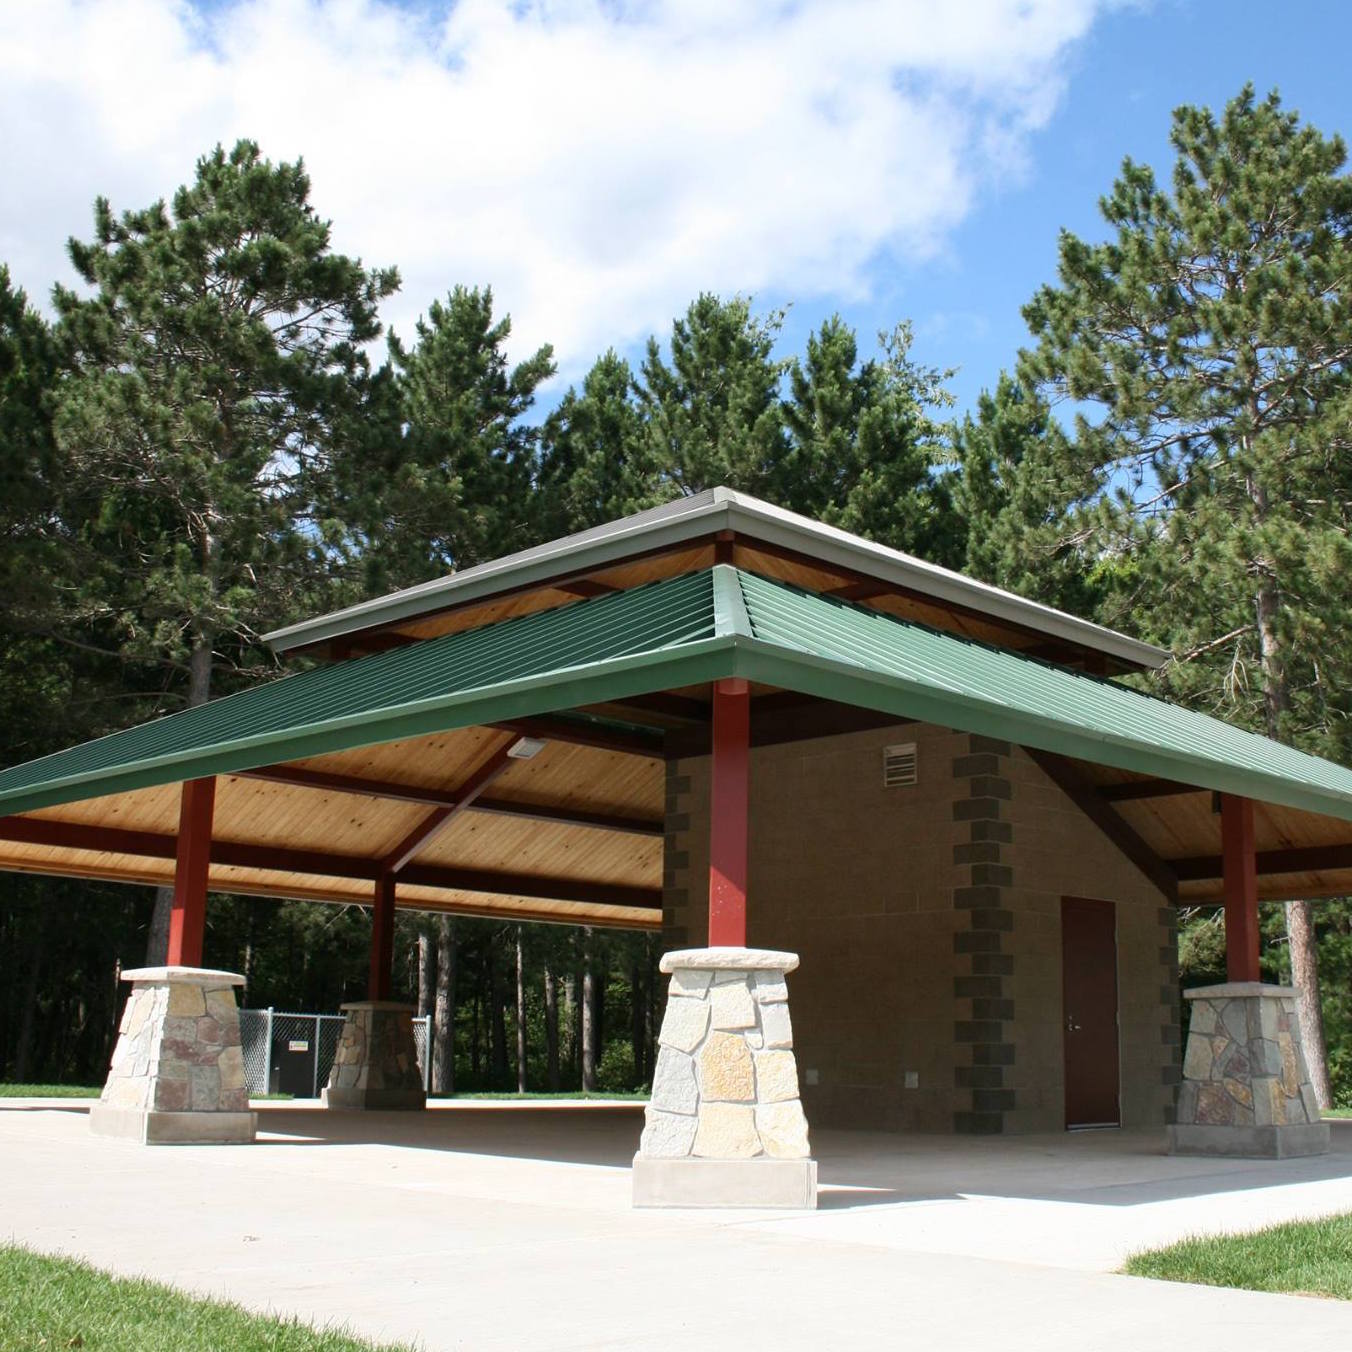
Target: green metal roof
x,y
680,631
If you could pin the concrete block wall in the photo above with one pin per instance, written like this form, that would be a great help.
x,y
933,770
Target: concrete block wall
x,y
952,947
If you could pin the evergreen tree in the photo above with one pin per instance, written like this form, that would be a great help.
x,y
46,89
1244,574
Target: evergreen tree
x,y
864,447
453,485
216,372
713,415
596,461
1210,338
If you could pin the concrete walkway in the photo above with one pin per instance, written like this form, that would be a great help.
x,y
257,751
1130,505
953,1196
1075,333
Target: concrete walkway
x,y
484,1226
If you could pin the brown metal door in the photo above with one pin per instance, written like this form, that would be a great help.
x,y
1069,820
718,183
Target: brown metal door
x,y
1089,1011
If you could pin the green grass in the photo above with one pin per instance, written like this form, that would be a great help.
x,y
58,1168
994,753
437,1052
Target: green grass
x,y
1310,1257
637,1095
49,1302
1337,1112
49,1091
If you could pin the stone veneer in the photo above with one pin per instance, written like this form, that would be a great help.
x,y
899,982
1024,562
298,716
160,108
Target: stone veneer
x,y
376,1064
725,1125
177,1073
1246,1090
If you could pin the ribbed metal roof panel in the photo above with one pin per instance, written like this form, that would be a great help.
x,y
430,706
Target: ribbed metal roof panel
x,y
970,686
441,683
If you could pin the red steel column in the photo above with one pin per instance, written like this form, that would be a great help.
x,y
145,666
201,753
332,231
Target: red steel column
x,y
728,814
382,939
188,915
1241,889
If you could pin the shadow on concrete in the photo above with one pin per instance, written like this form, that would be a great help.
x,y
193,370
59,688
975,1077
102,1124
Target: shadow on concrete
x,y
856,1168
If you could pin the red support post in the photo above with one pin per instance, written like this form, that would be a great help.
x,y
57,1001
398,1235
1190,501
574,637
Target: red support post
x,y
382,939
1241,888
188,915
728,813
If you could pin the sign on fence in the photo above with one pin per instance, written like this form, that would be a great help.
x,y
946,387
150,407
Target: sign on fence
x,y
288,1053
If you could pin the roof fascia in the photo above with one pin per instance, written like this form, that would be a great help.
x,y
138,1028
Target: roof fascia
x,y
809,674
646,673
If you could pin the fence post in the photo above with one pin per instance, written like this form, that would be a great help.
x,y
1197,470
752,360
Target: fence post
x,y
267,1055
427,1053
315,1044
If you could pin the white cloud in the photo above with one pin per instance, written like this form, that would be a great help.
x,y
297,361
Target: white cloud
x,y
597,162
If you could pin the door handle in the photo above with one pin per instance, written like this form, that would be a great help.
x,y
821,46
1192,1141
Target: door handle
x,y
1071,1025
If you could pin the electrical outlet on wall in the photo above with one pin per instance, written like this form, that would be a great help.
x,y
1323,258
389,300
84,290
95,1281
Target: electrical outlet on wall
x,y
910,1079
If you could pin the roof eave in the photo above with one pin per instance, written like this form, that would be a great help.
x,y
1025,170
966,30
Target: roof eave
x,y
722,509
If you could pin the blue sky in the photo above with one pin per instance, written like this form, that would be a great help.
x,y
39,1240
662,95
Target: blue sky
x,y
600,162
1122,83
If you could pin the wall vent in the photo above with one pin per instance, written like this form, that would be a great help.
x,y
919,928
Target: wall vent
x,y
899,765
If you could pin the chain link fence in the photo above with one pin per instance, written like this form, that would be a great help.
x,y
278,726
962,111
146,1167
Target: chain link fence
x,y
290,1053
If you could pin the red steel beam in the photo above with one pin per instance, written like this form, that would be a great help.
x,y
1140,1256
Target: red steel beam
x,y
188,916
728,813
1240,873
382,939
440,818
272,858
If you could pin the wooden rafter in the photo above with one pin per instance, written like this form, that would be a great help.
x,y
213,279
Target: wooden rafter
x,y
585,732
302,776
1133,789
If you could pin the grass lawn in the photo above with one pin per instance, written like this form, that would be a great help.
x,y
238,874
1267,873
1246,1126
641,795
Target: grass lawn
x,y
1311,1257
49,1091
48,1302
636,1095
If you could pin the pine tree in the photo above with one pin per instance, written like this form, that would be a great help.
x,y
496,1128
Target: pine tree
x,y
713,415
216,371
865,449
596,461
452,485
1210,339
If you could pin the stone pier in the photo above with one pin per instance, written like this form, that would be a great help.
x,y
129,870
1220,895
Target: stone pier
x,y
1246,1090
376,1065
725,1126
177,1074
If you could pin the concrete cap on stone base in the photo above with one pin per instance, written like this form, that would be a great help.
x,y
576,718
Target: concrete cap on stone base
x,y
188,976
1230,990
729,960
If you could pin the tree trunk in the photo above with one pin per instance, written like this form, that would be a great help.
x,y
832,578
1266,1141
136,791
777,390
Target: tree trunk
x,y
23,1053
1300,936
443,1021
569,1026
497,1022
637,1038
199,691
1300,932
588,1003
551,1028
427,973
520,1013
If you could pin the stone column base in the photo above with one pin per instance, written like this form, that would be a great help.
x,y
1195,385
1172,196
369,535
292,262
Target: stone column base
x,y
1267,1143
725,1126
376,1066
1246,1091
177,1073
790,1184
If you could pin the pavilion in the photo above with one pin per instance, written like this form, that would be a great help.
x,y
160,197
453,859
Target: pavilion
x,y
934,792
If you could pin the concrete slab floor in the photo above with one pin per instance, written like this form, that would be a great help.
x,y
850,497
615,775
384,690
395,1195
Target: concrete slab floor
x,y
486,1226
